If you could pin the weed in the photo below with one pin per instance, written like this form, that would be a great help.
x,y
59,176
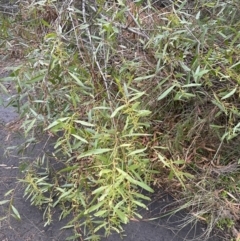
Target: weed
x,y
131,95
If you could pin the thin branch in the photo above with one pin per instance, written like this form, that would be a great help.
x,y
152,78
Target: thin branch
x,y
95,56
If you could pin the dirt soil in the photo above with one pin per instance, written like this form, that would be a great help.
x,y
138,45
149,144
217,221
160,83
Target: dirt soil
x,y
31,226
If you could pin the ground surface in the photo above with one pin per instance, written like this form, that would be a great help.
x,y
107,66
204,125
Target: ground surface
x,y
31,227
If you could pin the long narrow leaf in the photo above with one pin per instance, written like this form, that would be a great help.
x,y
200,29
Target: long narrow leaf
x,y
4,201
117,110
94,152
133,181
229,94
80,138
15,212
79,82
56,122
95,207
166,92
137,151
84,123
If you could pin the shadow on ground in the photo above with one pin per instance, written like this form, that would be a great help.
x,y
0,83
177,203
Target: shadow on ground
x,y
31,226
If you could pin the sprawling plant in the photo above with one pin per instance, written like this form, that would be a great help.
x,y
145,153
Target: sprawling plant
x,y
132,95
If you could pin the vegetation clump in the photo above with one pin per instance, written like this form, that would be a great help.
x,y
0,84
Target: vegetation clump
x,y
134,95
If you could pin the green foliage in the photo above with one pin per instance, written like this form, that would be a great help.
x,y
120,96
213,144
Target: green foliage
x,y
226,222
131,95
